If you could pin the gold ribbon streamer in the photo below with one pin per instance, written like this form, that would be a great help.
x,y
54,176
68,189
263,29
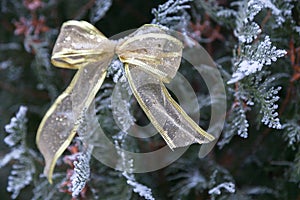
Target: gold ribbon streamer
x,y
151,57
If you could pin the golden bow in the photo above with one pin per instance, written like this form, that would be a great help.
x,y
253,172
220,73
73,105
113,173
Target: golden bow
x,y
151,58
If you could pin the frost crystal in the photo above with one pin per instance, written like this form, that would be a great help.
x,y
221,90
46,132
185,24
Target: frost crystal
x,y
280,15
169,12
116,69
245,68
13,155
270,116
81,173
239,122
23,168
266,53
16,128
247,34
246,30
259,5
229,186
254,58
226,13
126,162
20,176
138,188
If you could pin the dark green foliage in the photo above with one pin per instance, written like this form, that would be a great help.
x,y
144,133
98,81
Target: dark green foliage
x,y
256,45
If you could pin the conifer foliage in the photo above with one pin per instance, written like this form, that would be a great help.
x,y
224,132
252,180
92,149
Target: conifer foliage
x,y
256,47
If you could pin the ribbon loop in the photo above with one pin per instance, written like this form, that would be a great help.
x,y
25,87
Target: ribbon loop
x,y
152,49
80,43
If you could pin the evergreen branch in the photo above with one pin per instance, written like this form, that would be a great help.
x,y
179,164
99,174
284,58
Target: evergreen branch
x,y
109,184
42,63
116,70
170,13
23,170
189,175
99,10
221,15
15,154
45,191
253,57
292,132
229,186
20,176
17,128
81,172
126,163
137,187
268,108
219,179
237,123
185,179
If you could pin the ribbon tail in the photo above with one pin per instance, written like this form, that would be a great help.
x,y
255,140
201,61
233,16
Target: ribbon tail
x,y
62,121
171,121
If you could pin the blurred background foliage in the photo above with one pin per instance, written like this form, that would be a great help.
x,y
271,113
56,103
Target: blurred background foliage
x,y
265,165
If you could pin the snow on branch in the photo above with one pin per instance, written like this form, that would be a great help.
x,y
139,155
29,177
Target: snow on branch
x,y
81,172
126,162
228,186
269,106
23,169
170,12
138,188
16,128
20,176
254,57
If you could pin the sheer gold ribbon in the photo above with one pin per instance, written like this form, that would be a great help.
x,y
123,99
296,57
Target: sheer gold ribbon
x,y
151,57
